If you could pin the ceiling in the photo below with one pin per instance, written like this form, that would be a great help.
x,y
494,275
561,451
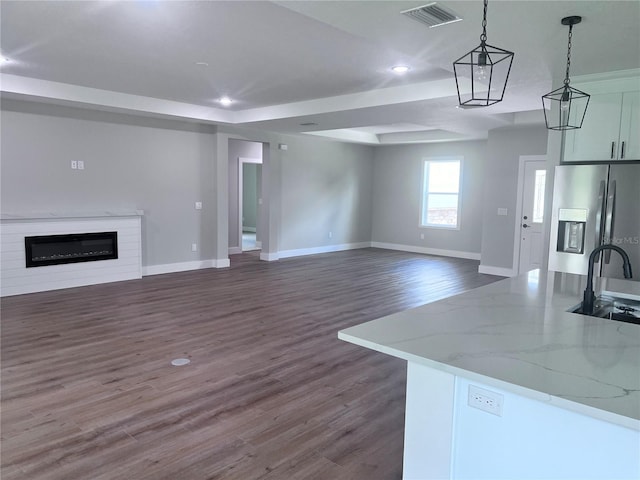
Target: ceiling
x,y
321,63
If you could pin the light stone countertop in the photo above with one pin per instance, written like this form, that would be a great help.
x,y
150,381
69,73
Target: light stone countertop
x,y
516,334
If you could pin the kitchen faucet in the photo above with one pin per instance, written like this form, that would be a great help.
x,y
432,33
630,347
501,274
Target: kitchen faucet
x,y
589,296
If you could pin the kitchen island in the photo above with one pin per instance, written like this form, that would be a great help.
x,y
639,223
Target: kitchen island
x,y
554,394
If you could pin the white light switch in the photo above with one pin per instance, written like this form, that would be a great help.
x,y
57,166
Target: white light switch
x,y
74,164
194,247
198,205
502,212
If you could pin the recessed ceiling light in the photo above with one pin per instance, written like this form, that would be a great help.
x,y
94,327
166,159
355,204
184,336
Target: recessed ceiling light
x,y
202,64
226,101
400,69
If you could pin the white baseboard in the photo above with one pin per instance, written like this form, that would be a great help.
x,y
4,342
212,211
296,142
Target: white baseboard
x,y
268,257
184,266
500,271
324,249
235,250
427,250
221,263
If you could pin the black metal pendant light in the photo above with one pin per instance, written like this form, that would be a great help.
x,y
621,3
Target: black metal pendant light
x,y
487,68
572,103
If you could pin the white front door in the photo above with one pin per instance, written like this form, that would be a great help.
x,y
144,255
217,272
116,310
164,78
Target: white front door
x,y
532,218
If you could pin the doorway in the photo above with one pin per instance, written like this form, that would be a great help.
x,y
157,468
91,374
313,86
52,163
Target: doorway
x,y
529,238
249,201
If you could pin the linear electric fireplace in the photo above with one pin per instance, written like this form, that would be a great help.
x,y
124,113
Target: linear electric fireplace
x,y
73,248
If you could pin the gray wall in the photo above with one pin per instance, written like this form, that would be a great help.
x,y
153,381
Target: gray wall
x,y
245,149
160,166
358,193
326,187
504,148
163,167
397,193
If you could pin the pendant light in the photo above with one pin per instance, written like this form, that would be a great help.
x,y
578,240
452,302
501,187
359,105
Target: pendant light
x,y
488,69
572,103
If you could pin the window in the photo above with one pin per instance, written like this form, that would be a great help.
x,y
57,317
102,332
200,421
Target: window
x,y
441,193
538,196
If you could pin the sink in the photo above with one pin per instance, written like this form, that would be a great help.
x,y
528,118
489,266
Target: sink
x,y
614,308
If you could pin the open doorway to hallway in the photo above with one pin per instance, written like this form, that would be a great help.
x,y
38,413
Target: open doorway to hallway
x,y
250,172
245,195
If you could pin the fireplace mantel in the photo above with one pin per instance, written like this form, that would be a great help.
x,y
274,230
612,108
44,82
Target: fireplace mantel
x,y
18,216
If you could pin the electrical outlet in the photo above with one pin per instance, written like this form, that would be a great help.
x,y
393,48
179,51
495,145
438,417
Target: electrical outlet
x,y
74,164
330,234
485,400
194,247
198,205
80,165
422,236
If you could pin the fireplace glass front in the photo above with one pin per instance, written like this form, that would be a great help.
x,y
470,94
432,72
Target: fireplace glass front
x,y
73,248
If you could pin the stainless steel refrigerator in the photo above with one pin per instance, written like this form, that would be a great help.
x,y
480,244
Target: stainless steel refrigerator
x,y
592,205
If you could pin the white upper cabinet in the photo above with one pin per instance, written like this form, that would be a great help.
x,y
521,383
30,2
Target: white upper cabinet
x,y
610,130
630,127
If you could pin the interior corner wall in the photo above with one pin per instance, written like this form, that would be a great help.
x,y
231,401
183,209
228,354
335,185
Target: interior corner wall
x,y
325,194
504,148
245,149
397,193
160,166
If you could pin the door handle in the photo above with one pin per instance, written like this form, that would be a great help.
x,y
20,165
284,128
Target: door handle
x,y
524,225
613,148
622,151
600,216
610,220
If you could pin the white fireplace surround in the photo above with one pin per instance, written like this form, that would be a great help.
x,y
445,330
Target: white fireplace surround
x,y
17,279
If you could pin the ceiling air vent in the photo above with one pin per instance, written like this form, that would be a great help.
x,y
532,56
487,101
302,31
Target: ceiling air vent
x,y
432,15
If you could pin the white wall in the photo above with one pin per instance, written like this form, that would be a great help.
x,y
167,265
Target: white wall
x,y
397,193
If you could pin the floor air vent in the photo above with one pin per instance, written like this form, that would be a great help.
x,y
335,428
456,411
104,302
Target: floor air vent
x,y
432,15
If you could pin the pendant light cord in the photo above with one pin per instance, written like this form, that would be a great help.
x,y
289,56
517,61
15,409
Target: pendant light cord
x,y
566,79
483,37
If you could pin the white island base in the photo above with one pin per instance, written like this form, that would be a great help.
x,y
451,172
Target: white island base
x,y
563,389
445,438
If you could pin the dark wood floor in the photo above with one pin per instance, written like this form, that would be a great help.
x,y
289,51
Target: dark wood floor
x,y
88,391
